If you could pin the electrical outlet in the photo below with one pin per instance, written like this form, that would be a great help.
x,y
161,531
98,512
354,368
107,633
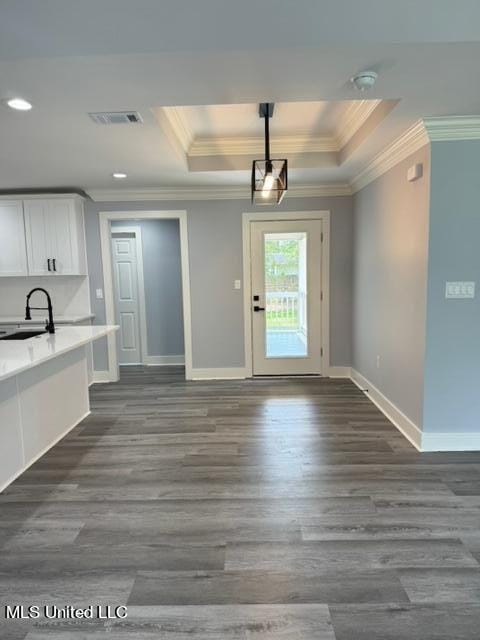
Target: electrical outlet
x,y
460,290
237,284
378,362
99,294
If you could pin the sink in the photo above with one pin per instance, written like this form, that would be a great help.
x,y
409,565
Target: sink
x,y
22,335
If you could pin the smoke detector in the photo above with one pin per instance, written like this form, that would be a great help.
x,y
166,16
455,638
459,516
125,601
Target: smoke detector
x,y
364,80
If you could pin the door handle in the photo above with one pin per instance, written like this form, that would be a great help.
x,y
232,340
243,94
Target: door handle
x,y
257,308
48,264
54,265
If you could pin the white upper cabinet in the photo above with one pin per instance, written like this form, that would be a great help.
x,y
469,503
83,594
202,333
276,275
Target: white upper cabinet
x,y
37,235
55,236
13,256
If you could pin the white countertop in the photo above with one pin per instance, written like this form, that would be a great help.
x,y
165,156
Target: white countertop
x,y
19,355
40,319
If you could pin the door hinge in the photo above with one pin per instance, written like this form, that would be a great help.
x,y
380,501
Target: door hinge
x,y
321,236
321,295
321,351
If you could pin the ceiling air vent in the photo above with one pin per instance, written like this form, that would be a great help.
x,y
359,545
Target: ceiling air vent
x,y
116,117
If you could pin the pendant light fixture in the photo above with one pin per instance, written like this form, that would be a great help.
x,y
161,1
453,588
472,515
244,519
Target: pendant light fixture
x,y
269,177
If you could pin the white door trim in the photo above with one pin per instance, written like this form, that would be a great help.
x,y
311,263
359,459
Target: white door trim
x,y
137,231
105,218
249,217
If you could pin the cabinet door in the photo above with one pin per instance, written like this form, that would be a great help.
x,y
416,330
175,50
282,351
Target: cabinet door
x,y
55,237
38,237
67,238
13,253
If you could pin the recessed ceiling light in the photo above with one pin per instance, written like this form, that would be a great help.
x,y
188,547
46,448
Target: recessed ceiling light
x,y
19,104
119,175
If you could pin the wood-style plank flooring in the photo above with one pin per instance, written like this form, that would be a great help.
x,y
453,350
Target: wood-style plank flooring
x,y
262,509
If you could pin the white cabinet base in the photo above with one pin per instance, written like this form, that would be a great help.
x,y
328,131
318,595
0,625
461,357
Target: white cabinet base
x,y
11,450
38,407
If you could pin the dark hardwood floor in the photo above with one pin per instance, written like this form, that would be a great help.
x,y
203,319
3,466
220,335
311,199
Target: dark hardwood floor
x,y
261,509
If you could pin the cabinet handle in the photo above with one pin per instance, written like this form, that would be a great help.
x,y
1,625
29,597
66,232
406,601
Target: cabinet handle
x,y
54,265
48,264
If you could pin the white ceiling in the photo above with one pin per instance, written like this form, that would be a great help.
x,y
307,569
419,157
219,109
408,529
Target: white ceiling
x,y
69,57
315,118
311,134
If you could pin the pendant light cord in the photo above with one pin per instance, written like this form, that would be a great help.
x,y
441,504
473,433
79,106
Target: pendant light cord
x,y
267,136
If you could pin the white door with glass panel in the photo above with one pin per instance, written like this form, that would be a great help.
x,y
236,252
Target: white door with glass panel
x,y
125,277
286,259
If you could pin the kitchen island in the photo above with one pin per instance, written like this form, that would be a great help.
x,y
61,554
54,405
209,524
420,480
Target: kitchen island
x,y
43,393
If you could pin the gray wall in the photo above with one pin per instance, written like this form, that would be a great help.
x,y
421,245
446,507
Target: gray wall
x,y
162,273
389,284
215,252
452,363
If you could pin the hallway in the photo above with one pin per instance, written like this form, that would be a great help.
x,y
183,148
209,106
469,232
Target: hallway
x,y
273,509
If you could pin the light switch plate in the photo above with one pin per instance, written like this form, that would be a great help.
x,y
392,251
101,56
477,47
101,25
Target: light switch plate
x,y
460,290
237,284
99,294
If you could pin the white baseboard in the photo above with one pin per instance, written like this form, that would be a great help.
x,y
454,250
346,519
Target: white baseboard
x,y
213,373
159,361
450,441
340,372
101,376
393,413
422,441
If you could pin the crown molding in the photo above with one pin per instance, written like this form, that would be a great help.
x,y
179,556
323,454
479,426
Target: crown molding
x,y
444,129
355,116
425,131
169,193
430,129
319,190
251,146
413,139
180,126
212,193
39,194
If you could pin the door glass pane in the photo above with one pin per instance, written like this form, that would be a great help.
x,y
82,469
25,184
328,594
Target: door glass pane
x,y
286,295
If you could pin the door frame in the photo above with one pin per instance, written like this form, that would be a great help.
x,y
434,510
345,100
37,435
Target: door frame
x,y
142,312
105,219
278,216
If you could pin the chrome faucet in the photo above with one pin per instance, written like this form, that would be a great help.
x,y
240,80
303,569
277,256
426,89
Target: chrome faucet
x,y
49,326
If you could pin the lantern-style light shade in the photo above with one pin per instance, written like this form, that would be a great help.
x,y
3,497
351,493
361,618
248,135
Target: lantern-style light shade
x,y
269,181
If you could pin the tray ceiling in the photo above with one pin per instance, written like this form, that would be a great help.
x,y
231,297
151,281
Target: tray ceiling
x,y
312,134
